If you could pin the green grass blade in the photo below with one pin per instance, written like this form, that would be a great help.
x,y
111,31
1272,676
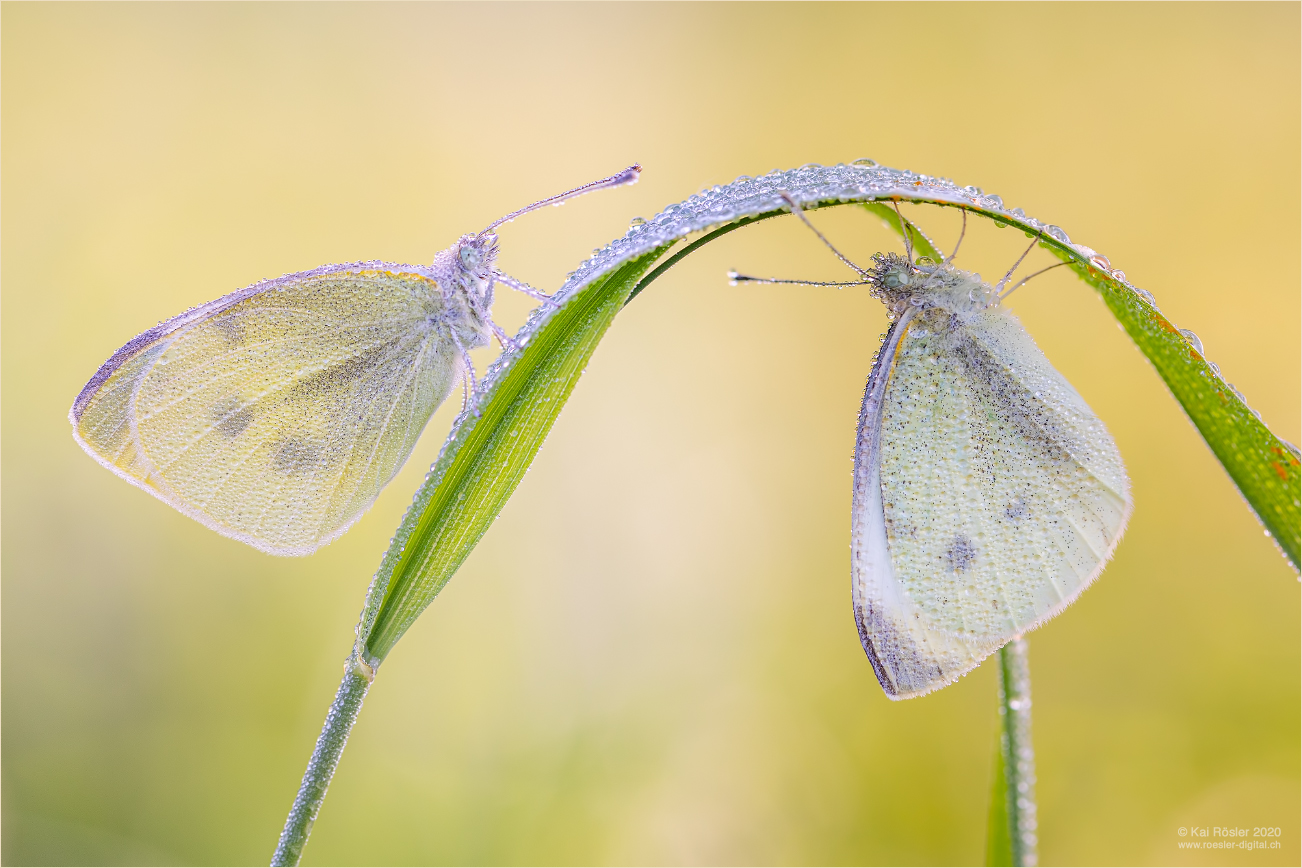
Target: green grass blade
x,y
999,842
1013,839
487,455
1264,467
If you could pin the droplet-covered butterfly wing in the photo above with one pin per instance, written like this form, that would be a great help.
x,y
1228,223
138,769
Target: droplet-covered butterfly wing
x,y
987,496
275,415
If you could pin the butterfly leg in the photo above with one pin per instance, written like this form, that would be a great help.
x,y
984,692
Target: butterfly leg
x,y
1025,279
521,286
999,287
800,212
471,383
959,243
906,229
507,342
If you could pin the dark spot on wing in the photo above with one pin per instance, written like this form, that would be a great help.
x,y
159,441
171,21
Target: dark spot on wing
x,y
338,376
292,457
1015,405
962,552
231,418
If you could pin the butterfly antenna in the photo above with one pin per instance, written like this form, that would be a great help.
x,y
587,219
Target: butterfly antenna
x,y
1001,284
1025,279
906,229
735,278
799,212
628,176
959,243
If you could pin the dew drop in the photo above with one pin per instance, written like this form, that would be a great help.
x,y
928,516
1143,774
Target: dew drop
x,y
1099,261
864,161
1118,274
637,221
1193,339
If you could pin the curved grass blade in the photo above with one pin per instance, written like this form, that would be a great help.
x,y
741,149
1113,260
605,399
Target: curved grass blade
x,y
492,445
1265,468
488,453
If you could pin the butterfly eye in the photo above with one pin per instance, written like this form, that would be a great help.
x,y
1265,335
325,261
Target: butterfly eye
x,y
469,257
895,279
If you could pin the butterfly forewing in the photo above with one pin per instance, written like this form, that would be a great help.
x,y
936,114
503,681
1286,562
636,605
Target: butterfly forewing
x,y
1000,497
278,418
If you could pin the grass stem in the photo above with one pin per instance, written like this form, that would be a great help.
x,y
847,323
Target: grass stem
x,y
1016,840
325,757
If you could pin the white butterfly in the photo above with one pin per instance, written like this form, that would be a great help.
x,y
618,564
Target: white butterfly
x,y
276,414
987,494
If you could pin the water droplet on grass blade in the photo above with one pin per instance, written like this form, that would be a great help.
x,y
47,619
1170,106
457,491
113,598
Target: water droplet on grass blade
x,y
1193,339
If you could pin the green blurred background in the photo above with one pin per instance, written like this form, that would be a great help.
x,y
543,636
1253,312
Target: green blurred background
x,y
651,656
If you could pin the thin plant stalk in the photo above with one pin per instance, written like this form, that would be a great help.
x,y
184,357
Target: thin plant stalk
x,y
325,758
1013,837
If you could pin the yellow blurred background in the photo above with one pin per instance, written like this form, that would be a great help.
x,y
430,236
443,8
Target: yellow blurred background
x,y
651,656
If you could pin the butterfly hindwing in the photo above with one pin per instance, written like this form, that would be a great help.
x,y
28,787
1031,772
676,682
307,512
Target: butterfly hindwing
x,y
997,496
277,418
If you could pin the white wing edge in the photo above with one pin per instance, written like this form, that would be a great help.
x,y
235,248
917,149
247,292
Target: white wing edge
x,y
872,578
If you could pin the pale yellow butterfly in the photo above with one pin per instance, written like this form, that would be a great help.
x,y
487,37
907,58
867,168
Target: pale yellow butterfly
x,y
276,414
987,494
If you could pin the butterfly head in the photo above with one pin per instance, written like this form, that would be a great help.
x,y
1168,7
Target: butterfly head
x,y
899,283
476,255
473,259
895,280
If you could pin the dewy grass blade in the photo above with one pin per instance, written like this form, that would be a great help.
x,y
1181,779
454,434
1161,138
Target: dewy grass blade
x,y
1264,467
999,841
1017,839
489,454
